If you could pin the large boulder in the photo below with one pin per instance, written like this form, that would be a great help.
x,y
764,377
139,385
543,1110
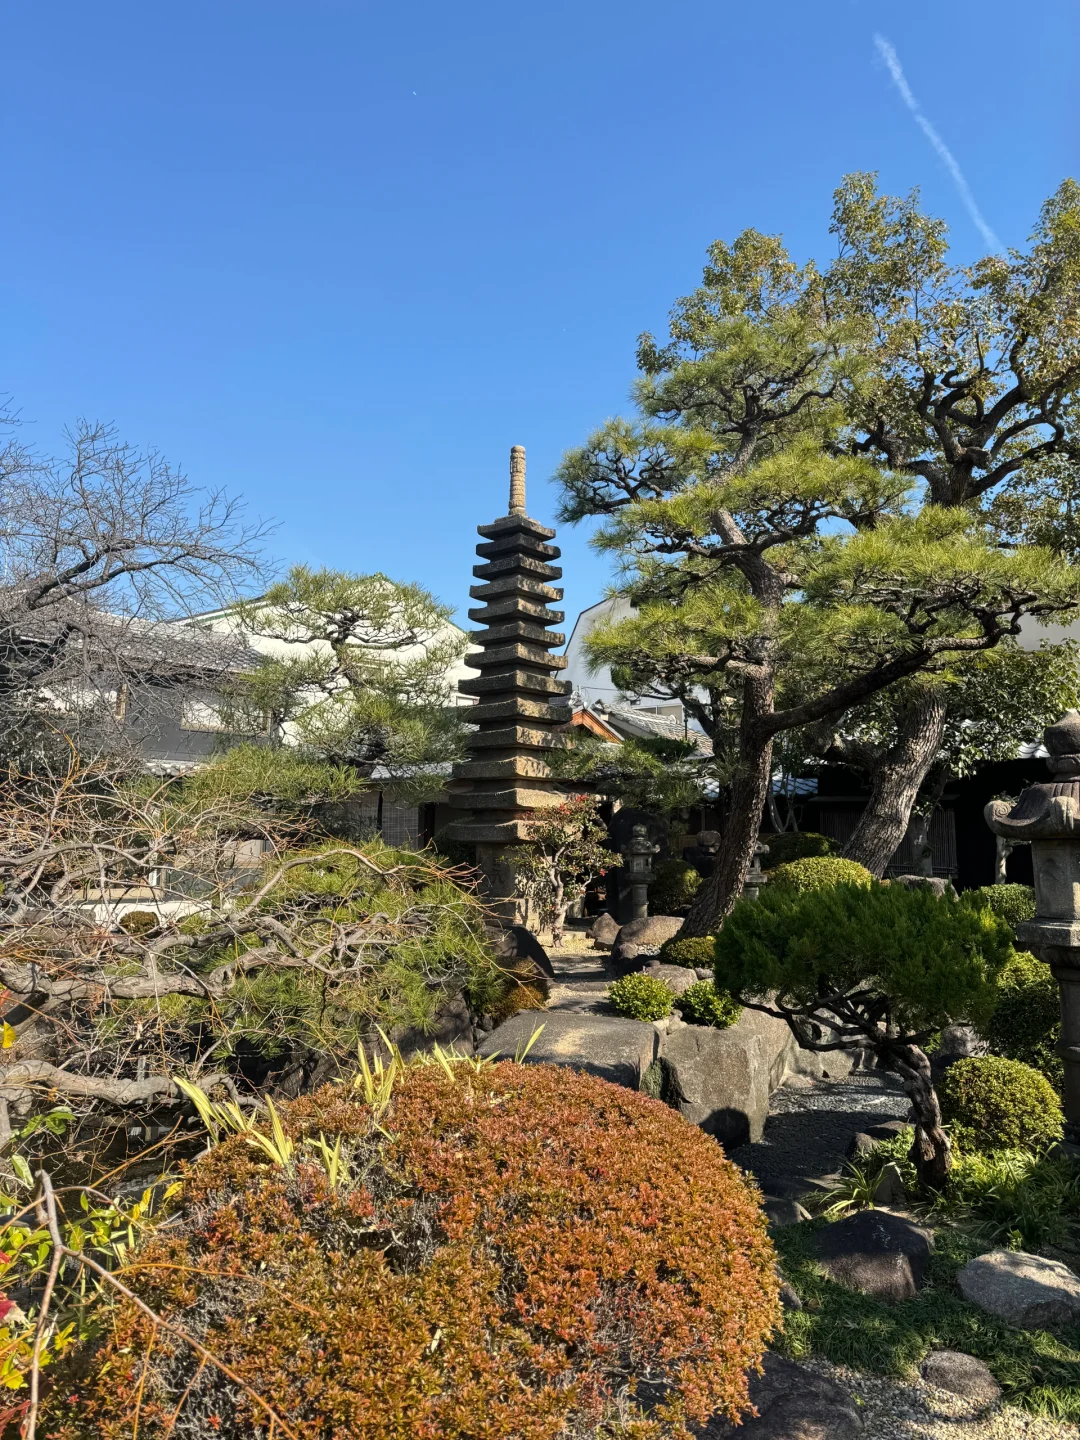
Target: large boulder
x,y
519,944
792,1404
642,938
1025,1290
604,931
779,1049
676,977
617,1050
718,1079
876,1252
961,1374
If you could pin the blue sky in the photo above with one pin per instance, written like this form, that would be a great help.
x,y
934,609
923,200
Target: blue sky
x,y
339,256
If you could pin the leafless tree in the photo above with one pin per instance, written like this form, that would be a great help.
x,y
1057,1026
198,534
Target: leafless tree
x,y
98,547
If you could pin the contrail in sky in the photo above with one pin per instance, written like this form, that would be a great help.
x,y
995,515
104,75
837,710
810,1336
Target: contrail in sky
x,y
892,60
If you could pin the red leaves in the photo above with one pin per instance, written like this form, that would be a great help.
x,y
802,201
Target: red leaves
x,y
557,1234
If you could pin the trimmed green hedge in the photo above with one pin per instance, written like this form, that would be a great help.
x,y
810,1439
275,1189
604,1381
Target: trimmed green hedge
x,y
992,1103
819,872
1027,1022
640,997
1014,903
795,845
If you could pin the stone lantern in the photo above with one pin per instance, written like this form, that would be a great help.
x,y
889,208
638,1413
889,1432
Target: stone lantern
x,y
755,876
639,852
1048,816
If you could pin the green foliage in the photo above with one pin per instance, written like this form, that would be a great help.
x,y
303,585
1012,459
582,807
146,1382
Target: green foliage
x,y
795,845
1013,903
365,674
1020,1199
865,951
673,885
269,772
992,1103
640,997
567,847
819,872
696,952
1036,1370
648,773
798,498
703,1004
1026,1023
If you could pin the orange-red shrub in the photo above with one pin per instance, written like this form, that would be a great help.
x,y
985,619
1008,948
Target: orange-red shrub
x,y
528,1250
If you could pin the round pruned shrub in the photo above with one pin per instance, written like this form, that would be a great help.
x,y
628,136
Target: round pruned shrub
x,y
703,1004
1014,903
992,1103
673,886
640,997
795,845
1026,1025
819,872
698,952
503,1249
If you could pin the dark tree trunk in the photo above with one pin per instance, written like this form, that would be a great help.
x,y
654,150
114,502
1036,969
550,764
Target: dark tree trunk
x,y
931,1151
749,792
896,782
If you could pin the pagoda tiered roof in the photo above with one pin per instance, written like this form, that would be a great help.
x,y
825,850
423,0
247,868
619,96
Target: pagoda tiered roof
x,y
505,781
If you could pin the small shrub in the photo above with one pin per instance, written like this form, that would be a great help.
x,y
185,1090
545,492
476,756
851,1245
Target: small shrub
x,y
703,1004
696,953
673,886
464,1273
1027,1022
640,997
1014,903
996,1104
139,922
795,845
819,872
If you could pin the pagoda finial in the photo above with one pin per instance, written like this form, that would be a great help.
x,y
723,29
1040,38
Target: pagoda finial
x,y
517,480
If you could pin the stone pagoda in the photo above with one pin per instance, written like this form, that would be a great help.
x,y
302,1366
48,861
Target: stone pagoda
x,y
505,781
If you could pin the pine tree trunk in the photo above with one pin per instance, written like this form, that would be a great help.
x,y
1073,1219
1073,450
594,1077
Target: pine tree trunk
x,y
884,822
749,791
931,1151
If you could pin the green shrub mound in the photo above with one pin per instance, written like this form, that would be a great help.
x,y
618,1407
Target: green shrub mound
x,y
991,1103
672,887
640,997
795,845
1027,1022
695,953
452,1263
1014,903
934,960
703,1004
819,872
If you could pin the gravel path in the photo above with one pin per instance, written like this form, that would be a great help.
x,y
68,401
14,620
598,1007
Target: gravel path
x,y
810,1125
901,1410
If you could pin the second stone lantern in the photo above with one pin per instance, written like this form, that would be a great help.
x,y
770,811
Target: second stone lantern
x,y
1048,815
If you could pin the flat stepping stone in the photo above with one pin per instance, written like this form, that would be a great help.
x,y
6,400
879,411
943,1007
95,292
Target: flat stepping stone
x,y
614,1049
961,1374
793,1404
1025,1290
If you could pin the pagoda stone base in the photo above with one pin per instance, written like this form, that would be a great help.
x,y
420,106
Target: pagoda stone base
x,y
495,862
